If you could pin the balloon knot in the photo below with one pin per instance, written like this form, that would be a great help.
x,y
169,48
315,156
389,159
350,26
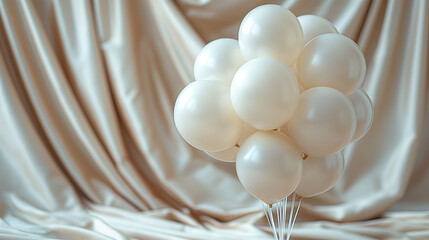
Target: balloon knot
x,y
298,198
237,145
304,156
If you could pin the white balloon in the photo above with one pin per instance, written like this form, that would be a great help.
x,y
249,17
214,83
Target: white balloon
x,y
230,154
295,72
264,93
271,31
319,174
313,26
332,60
218,60
301,87
364,113
269,166
324,122
227,155
204,116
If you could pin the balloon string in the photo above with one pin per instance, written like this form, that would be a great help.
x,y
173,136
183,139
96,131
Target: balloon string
x,y
291,215
270,211
284,210
279,227
265,207
281,206
299,198
291,211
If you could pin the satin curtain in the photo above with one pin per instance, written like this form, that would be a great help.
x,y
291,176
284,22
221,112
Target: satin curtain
x,y
88,147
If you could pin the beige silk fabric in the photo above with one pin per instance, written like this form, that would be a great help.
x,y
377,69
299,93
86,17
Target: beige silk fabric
x,y
89,150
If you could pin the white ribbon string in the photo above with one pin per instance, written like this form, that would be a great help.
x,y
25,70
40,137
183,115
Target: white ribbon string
x,y
277,217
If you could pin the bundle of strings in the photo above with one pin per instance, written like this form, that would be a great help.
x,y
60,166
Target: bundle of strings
x,y
278,223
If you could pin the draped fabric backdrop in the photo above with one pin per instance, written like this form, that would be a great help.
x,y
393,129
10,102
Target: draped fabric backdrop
x,y
89,150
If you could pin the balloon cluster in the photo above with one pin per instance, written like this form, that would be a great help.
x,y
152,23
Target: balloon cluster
x,y
282,102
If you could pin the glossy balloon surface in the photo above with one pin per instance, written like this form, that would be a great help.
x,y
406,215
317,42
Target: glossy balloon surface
x,y
264,93
324,122
271,31
269,166
218,60
313,26
332,60
230,154
204,116
364,113
319,174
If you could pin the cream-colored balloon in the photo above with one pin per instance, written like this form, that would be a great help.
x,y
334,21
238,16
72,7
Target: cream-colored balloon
x,y
295,71
301,87
227,155
332,60
313,26
269,166
319,174
218,60
264,93
204,116
324,122
364,113
230,154
271,31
